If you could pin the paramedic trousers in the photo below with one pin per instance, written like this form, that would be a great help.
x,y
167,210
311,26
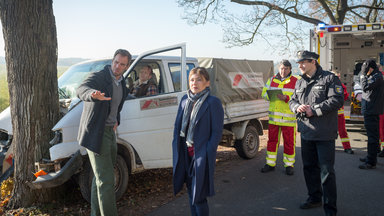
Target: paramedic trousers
x,y
289,138
343,131
103,201
319,173
371,123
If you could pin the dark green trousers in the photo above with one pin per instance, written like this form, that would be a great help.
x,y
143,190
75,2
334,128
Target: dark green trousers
x,y
103,201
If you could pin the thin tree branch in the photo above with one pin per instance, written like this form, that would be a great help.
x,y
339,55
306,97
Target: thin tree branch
x,y
365,6
328,11
281,10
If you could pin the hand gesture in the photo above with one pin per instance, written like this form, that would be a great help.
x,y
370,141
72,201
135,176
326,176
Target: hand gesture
x,y
282,97
99,96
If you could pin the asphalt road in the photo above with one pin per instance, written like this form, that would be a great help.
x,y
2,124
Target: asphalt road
x,y
244,190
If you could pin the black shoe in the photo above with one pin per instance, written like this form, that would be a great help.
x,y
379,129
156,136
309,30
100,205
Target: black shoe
x,y
310,204
381,154
289,170
367,166
267,168
363,159
348,151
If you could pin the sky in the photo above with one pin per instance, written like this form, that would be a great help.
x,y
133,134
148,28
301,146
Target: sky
x,y
96,28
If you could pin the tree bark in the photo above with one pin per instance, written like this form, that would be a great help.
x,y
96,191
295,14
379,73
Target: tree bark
x,y
29,31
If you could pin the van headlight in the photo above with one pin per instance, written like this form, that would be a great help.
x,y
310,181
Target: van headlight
x,y
57,139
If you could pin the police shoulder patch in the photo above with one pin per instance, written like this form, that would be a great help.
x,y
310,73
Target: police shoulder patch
x,y
338,89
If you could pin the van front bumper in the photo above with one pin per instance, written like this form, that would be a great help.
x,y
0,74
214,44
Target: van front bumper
x,y
54,179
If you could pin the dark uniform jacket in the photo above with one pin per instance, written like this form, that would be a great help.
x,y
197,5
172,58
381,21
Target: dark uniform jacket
x,y
372,101
95,112
325,95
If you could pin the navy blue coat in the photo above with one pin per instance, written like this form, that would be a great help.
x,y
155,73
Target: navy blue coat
x,y
207,135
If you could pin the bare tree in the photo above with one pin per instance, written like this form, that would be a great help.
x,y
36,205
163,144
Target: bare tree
x,y
246,22
29,31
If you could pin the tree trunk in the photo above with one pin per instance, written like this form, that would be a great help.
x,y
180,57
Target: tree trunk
x,y
29,31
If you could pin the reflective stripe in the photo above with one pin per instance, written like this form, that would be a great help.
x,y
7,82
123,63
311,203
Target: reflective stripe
x,y
340,112
271,163
288,163
295,107
274,88
318,112
282,114
344,139
288,90
271,156
282,89
289,158
265,95
282,120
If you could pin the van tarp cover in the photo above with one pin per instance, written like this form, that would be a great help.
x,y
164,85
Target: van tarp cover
x,y
237,80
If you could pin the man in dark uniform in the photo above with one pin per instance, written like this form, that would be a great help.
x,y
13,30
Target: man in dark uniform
x,y
371,107
317,97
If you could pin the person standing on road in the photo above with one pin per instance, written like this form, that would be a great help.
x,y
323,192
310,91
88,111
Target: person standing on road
x,y
371,106
317,97
381,154
341,122
103,93
197,133
281,119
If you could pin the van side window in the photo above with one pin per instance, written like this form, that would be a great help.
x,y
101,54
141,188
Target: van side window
x,y
175,69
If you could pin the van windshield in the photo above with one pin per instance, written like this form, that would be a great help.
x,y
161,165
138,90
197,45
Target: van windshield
x,y
75,75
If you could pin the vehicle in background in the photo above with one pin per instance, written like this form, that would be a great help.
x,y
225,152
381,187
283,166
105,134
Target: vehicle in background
x,y
344,48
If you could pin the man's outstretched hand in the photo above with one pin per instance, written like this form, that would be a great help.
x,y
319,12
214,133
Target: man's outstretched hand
x,y
99,96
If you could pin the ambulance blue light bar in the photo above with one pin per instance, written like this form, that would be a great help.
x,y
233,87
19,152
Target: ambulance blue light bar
x,y
349,28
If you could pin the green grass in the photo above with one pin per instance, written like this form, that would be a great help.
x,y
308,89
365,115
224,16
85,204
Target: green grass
x,y
4,94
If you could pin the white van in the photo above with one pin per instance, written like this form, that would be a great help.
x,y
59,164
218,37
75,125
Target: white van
x,y
144,136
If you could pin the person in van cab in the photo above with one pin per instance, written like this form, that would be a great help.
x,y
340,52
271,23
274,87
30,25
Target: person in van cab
x,y
146,84
197,133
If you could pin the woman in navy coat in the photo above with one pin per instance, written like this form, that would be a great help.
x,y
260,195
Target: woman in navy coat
x,y
197,133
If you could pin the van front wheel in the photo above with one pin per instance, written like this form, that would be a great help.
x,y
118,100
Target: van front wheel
x,y
121,179
248,147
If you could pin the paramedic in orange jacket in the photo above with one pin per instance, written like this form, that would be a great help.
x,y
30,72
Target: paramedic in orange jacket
x,y
341,123
281,119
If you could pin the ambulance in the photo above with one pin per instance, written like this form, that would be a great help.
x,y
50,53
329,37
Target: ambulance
x,y
343,48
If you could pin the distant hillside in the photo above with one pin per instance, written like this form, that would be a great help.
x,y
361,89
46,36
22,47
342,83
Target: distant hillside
x,y
60,62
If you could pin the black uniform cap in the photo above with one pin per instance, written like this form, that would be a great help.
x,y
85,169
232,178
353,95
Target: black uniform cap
x,y
306,55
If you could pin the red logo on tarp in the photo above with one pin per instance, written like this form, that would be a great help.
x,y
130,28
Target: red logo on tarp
x,y
238,78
